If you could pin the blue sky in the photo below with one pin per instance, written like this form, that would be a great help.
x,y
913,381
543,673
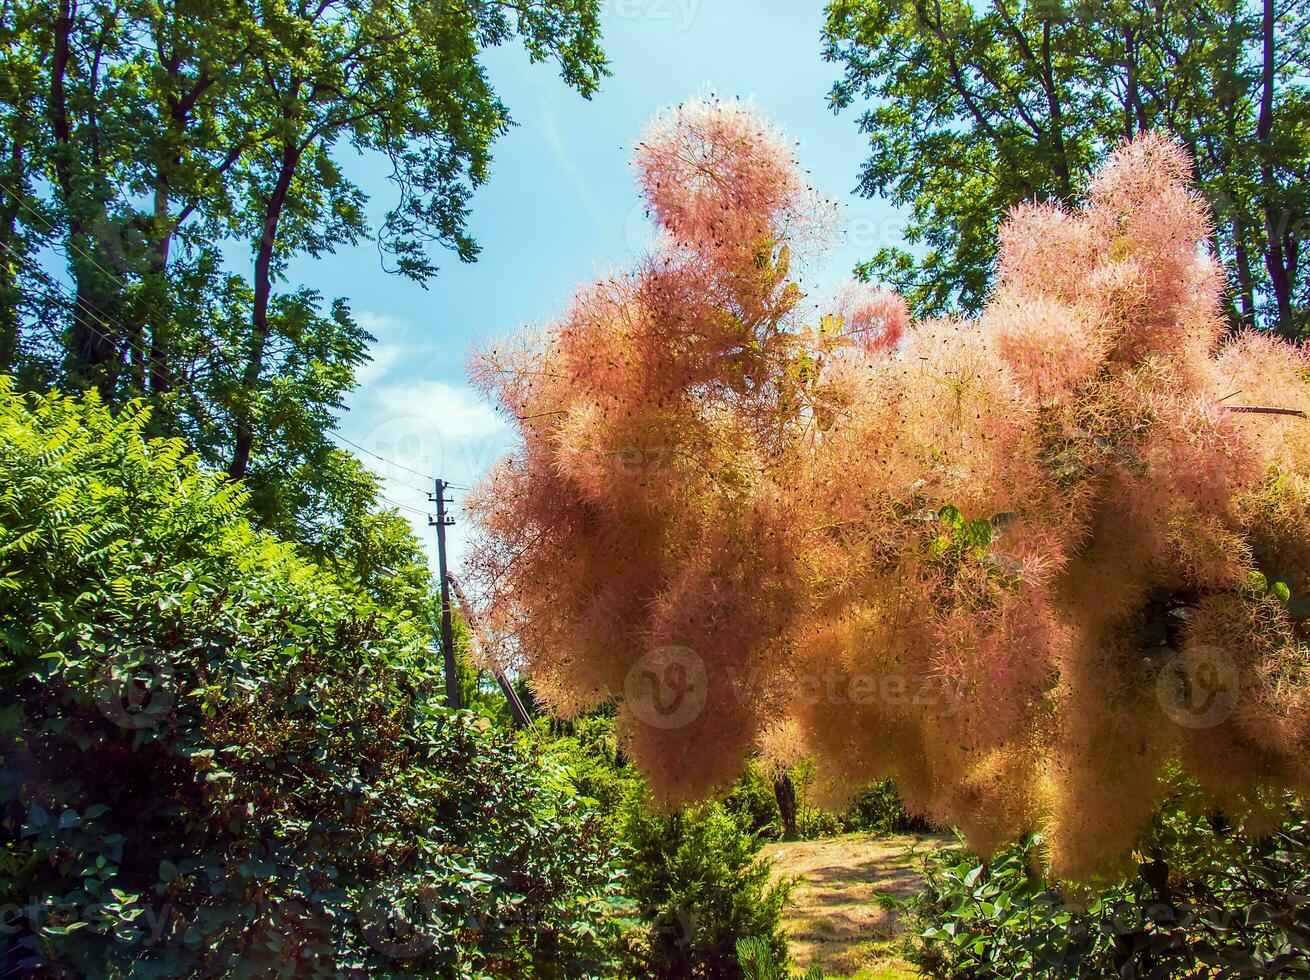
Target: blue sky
x,y
561,208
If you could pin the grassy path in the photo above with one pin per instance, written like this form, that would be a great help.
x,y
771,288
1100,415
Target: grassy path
x,y
833,918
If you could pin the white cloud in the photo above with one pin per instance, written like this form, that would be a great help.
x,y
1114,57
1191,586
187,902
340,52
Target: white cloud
x,y
387,350
383,357
380,324
414,431
429,427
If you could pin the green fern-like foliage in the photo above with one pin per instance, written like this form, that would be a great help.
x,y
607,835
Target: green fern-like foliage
x,y
758,961
221,759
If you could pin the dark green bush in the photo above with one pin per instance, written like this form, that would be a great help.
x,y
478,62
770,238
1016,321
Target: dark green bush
x,y
878,810
220,759
696,879
1202,902
752,798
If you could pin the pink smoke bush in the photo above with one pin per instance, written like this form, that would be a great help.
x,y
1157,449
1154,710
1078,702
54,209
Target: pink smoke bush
x,y
1000,561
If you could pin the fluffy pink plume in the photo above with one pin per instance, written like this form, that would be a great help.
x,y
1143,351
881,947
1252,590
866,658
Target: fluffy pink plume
x,y
717,178
874,318
989,559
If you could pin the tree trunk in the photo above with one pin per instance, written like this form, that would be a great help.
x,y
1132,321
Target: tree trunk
x,y
244,439
1056,113
784,791
10,263
1275,223
158,312
1245,282
93,344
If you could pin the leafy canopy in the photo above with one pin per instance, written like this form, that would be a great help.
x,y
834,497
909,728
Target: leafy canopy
x,y
146,147
973,108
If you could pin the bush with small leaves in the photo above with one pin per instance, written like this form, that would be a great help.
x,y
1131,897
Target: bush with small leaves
x,y
695,877
221,760
1203,901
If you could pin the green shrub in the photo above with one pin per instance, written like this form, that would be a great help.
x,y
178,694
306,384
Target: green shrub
x,y
814,823
696,879
1202,902
591,757
219,759
878,810
757,962
752,798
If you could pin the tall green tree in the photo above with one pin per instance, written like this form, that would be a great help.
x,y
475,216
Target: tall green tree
x,y
975,107
144,144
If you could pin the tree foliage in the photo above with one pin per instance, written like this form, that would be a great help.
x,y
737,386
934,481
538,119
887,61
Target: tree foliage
x,y
221,760
1016,564
974,108
146,146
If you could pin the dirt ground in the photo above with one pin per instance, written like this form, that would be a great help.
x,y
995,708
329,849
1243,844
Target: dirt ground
x,y
833,918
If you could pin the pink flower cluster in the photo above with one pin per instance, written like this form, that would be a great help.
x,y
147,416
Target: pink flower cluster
x,y
1052,510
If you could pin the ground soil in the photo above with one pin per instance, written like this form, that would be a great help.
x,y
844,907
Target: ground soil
x,y
833,917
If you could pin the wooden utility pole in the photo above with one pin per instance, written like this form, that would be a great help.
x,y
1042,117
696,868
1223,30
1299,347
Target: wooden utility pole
x,y
447,636
521,717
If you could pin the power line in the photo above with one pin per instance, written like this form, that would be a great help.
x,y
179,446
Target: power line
x,y
389,462
61,291
63,248
77,302
399,506
383,477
